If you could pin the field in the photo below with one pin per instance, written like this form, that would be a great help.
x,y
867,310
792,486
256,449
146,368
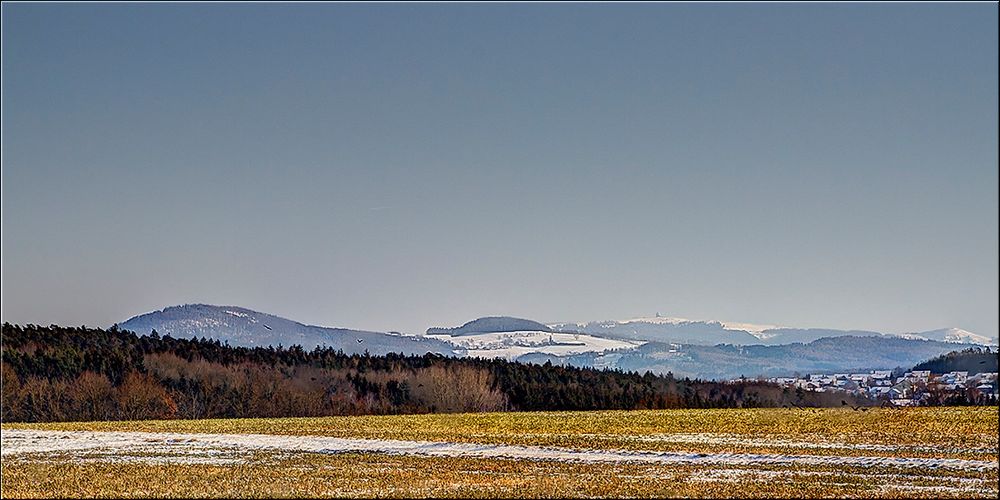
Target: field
x,y
915,452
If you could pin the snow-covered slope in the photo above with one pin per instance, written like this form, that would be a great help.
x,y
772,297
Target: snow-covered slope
x,y
702,332
956,335
511,345
510,338
244,327
782,336
658,329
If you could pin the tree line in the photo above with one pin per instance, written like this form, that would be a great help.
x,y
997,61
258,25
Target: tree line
x,y
58,373
973,360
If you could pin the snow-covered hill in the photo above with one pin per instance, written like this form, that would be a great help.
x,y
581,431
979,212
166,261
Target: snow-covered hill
x,y
248,328
956,335
511,345
706,332
670,330
710,349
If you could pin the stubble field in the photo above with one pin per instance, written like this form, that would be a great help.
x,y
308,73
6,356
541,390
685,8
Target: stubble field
x,y
881,453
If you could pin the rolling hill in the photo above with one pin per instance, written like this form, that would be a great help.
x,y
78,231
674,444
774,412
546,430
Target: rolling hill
x,y
727,361
707,332
492,324
702,349
248,328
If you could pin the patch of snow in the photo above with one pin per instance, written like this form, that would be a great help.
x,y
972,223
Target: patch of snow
x,y
656,321
511,345
890,482
20,442
908,336
952,335
738,440
757,330
751,328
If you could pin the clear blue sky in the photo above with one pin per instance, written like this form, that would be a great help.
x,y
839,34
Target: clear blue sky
x,y
395,167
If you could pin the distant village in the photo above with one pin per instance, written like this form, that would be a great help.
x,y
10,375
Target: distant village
x,y
912,388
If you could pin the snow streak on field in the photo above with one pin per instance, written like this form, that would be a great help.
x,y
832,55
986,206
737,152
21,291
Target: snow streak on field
x,y
227,448
735,453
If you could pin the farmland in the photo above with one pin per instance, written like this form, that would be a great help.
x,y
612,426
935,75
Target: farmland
x,y
923,452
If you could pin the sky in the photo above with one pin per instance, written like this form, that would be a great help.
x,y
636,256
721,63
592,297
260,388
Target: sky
x,y
395,167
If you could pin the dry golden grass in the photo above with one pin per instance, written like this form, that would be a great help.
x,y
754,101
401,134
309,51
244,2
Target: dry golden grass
x,y
362,475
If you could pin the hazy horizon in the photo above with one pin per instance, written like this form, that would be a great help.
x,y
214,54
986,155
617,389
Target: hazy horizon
x,y
734,322
396,167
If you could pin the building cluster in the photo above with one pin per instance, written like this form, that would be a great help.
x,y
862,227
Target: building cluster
x,y
907,389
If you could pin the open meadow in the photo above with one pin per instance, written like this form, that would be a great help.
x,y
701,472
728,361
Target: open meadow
x,y
881,453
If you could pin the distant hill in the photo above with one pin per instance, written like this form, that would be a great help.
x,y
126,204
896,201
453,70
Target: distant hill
x,y
704,349
727,361
511,338
669,330
956,335
685,331
244,327
780,336
492,324
973,360
699,332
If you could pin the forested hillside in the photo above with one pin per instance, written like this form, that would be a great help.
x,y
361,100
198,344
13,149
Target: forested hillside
x,y
973,360
55,373
492,324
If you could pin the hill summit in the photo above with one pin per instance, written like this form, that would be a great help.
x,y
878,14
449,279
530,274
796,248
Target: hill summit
x,y
492,324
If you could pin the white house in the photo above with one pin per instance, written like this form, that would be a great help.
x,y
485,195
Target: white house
x,y
960,377
879,390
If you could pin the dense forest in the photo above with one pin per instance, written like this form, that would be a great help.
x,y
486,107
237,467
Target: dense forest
x,y
973,360
58,373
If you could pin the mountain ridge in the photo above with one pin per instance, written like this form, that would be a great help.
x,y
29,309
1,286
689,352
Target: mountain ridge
x,y
712,332
245,327
710,349
727,361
